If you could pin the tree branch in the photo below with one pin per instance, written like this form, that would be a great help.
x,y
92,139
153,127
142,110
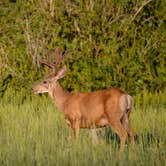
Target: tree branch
x,y
140,8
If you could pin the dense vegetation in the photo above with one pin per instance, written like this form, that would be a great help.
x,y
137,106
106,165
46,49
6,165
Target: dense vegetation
x,y
108,43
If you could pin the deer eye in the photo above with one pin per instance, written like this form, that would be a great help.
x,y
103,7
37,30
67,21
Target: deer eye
x,y
44,82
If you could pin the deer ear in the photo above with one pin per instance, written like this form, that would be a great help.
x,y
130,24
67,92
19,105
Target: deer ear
x,y
61,73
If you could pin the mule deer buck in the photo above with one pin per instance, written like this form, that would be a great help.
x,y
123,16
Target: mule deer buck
x,y
110,107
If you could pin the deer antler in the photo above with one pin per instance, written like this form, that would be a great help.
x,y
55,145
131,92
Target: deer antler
x,y
59,57
47,61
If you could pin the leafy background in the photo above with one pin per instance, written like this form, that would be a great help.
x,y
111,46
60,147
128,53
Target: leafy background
x,y
108,43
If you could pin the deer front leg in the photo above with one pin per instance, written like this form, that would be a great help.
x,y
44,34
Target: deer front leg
x,y
76,128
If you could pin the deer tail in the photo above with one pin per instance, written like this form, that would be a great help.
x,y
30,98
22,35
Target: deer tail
x,y
126,103
129,102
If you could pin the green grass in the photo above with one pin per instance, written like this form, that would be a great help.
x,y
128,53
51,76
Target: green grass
x,y
33,132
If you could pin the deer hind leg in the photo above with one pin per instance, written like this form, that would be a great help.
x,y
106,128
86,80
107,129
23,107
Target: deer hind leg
x,y
126,124
119,129
76,127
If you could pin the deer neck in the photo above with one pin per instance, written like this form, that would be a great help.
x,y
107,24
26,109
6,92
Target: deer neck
x,y
59,95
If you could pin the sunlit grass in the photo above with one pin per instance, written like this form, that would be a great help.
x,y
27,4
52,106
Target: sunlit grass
x,y
33,132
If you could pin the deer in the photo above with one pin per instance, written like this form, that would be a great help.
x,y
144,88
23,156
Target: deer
x,y
91,110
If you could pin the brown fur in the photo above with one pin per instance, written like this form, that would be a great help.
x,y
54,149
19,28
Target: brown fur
x,y
101,108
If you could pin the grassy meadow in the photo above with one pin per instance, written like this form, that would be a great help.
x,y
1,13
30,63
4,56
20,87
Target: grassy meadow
x,y
33,132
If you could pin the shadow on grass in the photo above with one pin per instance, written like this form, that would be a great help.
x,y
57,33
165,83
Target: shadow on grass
x,y
109,136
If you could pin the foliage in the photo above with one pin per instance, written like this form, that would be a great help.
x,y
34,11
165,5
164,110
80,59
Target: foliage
x,y
109,43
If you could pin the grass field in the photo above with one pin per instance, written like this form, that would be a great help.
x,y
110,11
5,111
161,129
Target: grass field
x,y
33,132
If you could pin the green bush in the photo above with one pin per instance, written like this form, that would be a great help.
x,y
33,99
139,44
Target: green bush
x,y
108,43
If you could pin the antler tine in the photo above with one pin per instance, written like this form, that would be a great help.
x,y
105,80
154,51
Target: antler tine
x,y
58,56
47,61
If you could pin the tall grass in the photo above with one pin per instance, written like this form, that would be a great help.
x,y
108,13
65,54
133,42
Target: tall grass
x,y
33,132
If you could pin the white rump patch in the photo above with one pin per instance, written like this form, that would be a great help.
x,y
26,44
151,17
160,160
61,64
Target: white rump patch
x,y
125,102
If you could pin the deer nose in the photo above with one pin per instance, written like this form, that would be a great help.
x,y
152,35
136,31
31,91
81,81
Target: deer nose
x,y
33,90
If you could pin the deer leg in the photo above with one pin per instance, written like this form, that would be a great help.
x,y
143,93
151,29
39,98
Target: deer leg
x,y
126,124
76,128
94,136
118,128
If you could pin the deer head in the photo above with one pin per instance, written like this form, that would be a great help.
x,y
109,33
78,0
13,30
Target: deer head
x,y
50,82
